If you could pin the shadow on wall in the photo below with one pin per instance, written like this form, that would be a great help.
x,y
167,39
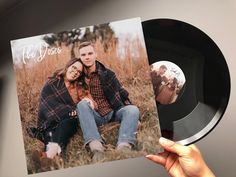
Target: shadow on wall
x,y
32,18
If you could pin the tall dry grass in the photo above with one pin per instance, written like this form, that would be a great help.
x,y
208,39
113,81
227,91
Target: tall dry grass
x,y
132,69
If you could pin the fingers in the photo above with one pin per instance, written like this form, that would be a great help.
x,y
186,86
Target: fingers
x,y
160,158
170,161
173,147
86,99
157,159
73,113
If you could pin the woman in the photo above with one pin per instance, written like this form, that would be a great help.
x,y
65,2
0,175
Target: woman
x,y
167,94
57,119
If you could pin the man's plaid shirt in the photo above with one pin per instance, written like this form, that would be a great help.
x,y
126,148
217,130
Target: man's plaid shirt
x,y
97,93
106,90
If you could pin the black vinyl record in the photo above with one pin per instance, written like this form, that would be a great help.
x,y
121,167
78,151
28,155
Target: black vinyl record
x,y
202,101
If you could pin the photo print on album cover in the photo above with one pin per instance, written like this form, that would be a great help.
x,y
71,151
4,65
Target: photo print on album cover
x,y
85,96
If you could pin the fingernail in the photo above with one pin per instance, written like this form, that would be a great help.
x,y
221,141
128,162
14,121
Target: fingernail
x,y
165,141
149,157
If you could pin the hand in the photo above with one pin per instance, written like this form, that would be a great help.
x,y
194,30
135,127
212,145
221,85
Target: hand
x,y
72,113
90,101
181,161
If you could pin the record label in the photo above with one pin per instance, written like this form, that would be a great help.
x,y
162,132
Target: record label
x,y
168,82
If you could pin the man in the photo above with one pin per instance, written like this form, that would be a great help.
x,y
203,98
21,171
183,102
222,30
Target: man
x,y
112,100
157,78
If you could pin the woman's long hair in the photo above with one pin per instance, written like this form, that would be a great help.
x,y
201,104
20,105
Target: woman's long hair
x,y
174,84
60,73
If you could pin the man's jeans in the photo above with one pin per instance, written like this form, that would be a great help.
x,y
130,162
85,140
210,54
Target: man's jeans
x,y
90,119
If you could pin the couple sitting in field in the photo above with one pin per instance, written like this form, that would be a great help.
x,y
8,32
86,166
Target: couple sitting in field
x,y
88,93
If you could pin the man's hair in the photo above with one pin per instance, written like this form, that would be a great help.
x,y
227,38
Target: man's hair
x,y
163,67
85,44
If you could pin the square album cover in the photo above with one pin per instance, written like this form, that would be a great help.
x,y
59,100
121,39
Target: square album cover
x,y
85,96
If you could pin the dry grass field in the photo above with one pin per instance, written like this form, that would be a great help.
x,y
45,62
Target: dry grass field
x,y
132,70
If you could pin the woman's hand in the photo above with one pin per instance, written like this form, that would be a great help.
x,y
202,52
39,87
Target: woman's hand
x,y
73,113
181,161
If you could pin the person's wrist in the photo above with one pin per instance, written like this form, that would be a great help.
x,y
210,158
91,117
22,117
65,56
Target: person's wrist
x,y
206,172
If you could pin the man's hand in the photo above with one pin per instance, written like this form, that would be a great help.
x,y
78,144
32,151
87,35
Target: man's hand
x,y
90,101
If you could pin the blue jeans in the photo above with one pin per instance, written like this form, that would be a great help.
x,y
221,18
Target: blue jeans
x,y
90,120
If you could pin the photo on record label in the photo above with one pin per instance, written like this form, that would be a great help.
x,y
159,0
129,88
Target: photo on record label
x,y
168,82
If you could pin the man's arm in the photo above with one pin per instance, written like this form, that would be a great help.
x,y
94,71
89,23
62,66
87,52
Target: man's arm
x,y
124,94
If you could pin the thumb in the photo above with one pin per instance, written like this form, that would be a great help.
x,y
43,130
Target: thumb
x,y
173,147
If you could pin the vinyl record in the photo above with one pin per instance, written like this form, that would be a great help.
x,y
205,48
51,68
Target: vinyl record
x,y
198,102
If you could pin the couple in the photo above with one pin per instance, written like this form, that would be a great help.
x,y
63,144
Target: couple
x,y
87,92
164,88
